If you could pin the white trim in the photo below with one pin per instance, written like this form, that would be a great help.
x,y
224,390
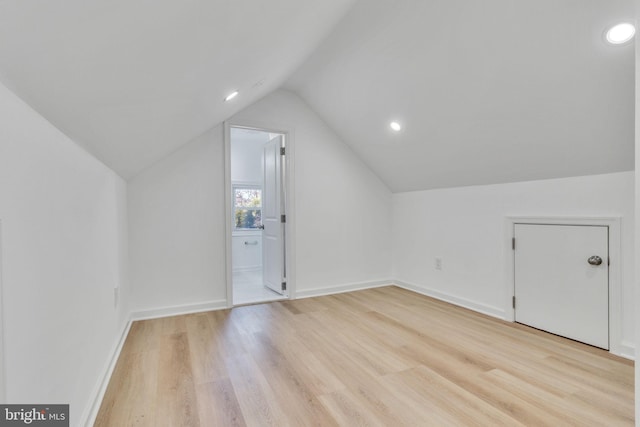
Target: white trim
x,y
627,350
246,183
616,346
228,228
91,412
452,299
290,226
289,187
177,310
340,289
248,268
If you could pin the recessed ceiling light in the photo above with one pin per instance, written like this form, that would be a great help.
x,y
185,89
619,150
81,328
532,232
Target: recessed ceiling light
x,y
620,33
395,126
231,95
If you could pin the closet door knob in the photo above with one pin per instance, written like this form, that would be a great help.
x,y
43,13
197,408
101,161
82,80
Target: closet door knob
x,y
595,260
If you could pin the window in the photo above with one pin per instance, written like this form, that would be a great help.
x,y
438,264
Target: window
x,y
247,207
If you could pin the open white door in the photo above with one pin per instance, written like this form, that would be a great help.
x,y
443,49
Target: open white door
x,y
562,280
272,217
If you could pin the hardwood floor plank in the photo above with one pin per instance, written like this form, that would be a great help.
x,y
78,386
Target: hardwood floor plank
x,y
592,405
206,361
347,411
602,414
130,398
396,404
591,379
538,397
144,336
177,404
228,341
509,403
383,356
284,375
218,404
256,397
173,324
446,400
317,376
372,353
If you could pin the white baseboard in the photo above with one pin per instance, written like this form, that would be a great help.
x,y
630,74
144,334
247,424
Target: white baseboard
x,y
627,350
248,268
89,417
177,310
339,289
462,302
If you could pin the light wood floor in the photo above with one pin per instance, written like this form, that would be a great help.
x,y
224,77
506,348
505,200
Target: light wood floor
x,y
381,357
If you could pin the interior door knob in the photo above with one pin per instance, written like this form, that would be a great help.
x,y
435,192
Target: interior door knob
x,y
595,260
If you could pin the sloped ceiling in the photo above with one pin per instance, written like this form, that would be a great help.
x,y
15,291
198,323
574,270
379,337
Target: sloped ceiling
x,y
132,80
487,91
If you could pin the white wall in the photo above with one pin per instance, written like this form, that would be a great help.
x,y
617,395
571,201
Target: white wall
x,y
63,251
246,155
177,222
465,226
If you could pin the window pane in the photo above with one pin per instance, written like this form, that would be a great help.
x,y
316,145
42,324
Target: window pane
x,y
248,197
248,218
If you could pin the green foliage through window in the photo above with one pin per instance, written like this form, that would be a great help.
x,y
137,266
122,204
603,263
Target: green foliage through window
x,y
247,207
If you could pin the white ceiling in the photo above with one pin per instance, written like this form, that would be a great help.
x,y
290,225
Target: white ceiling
x,y
487,91
133,80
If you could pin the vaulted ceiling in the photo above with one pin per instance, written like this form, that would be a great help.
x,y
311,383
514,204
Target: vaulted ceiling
x,y
487,92
133,80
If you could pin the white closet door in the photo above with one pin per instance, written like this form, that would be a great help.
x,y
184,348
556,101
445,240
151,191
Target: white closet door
x,y
562,280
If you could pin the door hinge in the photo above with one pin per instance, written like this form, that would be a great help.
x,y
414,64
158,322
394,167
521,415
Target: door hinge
x,y
513,301
608,261
282,151
283,218
284,286
513,243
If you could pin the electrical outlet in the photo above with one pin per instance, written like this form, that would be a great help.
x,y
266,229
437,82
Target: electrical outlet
x,y
438,263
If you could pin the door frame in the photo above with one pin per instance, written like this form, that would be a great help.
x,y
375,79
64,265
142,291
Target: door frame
x,y
616,346
289,194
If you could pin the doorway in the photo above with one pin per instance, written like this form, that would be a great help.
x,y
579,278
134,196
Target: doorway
x,y
258,215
